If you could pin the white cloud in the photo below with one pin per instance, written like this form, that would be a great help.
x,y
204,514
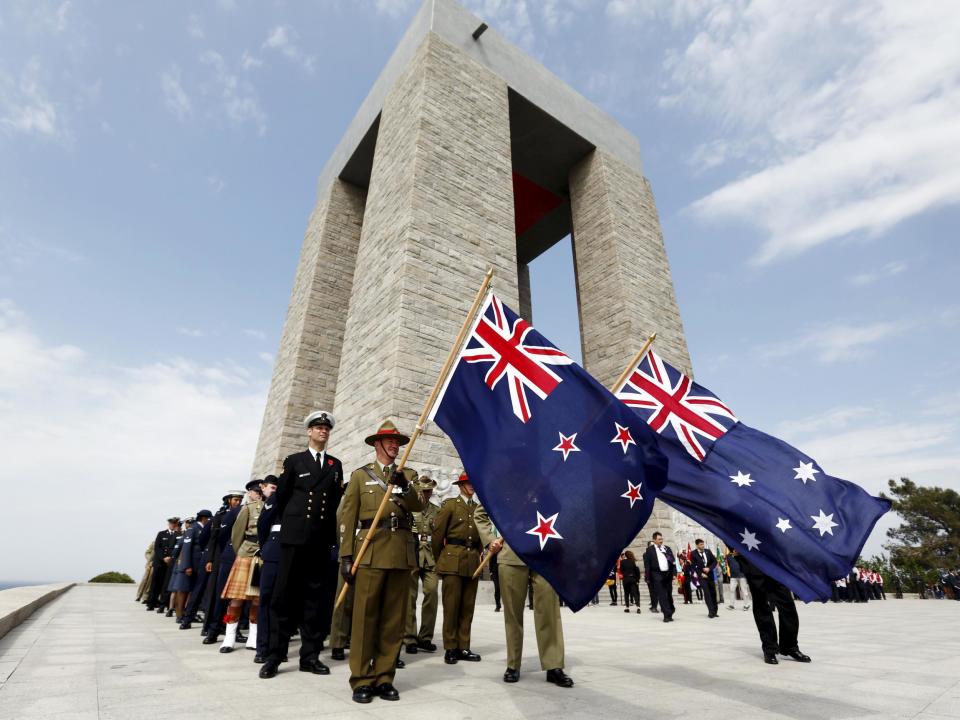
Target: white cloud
x,y
393,8
126,446
195,27
216,183
175,97
238,97
255,334
833,343
283,39
887,271
22,253
25,106
845,111
249,62
189,332
266,357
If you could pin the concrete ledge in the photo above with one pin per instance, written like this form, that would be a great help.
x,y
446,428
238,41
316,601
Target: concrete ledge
x,y
17,604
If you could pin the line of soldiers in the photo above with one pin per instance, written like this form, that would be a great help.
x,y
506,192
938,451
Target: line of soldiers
x,y
270,565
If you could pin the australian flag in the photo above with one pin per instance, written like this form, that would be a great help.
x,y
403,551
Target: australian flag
x,y
761,496
567,473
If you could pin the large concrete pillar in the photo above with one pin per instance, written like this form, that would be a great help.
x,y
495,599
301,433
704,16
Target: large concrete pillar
x,y
439,212
307,363
624,285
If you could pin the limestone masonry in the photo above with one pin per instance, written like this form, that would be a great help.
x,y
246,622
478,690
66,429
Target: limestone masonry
x,y
465,155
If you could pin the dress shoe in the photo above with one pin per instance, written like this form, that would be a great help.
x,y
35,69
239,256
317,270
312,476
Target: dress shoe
x,y
638,611
151,608
400,664
511,675
426,646
259,659
363,694
170,612
559,678
185,626
386,691
241,638
712,615
497,609
796,655
626,609
770,659
210,638
337,654
314,666
161,610
450,657
226,649
412,649
666,619
468,656
269,670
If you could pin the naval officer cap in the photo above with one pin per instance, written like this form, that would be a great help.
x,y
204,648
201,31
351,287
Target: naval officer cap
x,y
233,493
253,484
173,519
319,417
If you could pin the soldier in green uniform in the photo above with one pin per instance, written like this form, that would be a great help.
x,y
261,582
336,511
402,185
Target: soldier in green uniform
x,y
342,613
382,582
456,545
423,524
514,577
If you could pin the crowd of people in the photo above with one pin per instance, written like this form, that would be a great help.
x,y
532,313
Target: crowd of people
x,y
304,553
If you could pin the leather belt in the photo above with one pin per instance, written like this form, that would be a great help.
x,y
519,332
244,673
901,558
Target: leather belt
x,y
393,523
469,544
274,528
251,536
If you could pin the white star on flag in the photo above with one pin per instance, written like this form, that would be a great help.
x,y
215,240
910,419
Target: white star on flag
x,y
805,472
633,493
741,479
749,540
566,445
823,523
544,529
623,437
783,524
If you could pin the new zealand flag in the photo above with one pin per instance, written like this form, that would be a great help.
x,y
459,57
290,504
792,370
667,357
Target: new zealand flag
x,y
760,495
567,473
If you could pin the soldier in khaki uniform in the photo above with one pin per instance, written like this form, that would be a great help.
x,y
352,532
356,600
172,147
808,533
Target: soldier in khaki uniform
x,y
456,545
382,582
423,524
514,577
342,613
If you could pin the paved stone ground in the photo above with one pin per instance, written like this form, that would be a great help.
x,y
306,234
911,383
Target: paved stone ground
x,y
94,653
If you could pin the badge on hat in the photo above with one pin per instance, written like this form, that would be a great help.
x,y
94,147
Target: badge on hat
x,y
319,417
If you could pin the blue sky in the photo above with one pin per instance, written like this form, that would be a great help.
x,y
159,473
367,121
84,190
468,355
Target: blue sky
x,y
159,163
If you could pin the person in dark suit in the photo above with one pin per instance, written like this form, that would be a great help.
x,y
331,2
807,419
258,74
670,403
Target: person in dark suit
x,y
268,532
766,591
648,579
663,568
162,556
631,580
224,556
308,493
186,562
704,563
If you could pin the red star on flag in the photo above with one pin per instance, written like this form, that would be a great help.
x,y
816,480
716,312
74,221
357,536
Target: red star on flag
x,y
633,493
566,445
623,437
544,529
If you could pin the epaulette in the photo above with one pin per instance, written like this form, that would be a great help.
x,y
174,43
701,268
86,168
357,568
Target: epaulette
x,y
448,500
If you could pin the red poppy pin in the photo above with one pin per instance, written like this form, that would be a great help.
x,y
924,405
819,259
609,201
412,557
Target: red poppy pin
x,y
329,461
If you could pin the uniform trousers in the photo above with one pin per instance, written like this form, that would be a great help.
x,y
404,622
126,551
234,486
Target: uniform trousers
x,y
709,594
663,587
218,605
459,600
379,612
196,595
303,596
739,583
428,606
156,584
265,616
546,616
342,616
766,590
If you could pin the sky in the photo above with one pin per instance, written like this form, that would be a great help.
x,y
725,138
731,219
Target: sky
x,y
159,161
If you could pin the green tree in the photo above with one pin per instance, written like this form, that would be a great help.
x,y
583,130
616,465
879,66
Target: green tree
x,y
112,577
929,537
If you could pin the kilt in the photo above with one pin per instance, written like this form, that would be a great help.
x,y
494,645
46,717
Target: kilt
x,y
238,581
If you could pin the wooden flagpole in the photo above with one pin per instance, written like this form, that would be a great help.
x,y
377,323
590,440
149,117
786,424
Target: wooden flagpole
x,y
616,386
418,430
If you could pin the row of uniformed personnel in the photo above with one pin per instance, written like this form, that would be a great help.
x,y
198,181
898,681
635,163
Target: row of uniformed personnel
x,y
309,520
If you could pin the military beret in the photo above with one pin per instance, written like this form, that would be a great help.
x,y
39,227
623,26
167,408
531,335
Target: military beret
x,y
319,417
253,484
204,513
